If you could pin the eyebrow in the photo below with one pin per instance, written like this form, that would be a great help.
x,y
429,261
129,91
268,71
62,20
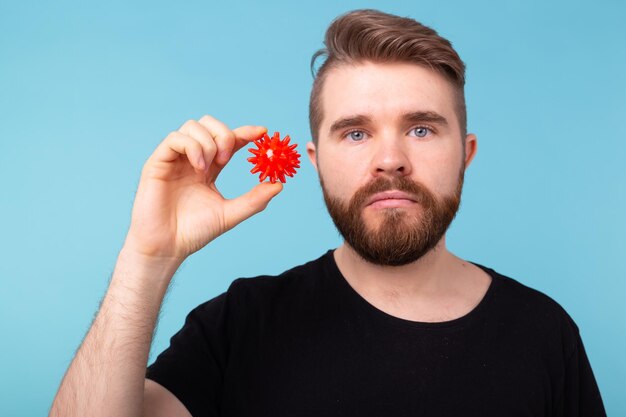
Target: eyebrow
x,y
412,117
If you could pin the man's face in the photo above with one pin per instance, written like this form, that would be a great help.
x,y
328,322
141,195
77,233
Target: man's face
x,y
390,158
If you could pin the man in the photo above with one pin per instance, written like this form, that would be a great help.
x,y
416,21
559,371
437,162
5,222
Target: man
x,y
389,324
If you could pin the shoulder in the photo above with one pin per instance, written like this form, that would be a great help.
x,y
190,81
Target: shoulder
x,y
250,293
300,281
520,296
529,309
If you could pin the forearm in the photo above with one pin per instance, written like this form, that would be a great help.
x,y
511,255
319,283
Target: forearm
x,y
106,377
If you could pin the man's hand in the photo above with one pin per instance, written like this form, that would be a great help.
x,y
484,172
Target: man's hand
x,y
177,208
177,211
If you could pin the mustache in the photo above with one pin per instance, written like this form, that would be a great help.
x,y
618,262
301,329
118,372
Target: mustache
x,y
416,190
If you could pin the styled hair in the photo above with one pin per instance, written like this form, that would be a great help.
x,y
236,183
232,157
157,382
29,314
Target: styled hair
x,y
373,36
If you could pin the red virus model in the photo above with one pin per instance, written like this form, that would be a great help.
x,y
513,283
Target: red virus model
x,y
274,158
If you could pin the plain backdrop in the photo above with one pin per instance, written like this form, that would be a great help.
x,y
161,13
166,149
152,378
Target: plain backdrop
x,y
88,90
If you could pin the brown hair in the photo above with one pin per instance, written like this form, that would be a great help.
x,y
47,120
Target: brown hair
x,y
371,35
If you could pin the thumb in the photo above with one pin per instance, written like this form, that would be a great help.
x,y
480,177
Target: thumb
x,y
250,203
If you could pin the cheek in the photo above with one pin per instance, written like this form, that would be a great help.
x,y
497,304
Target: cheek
x,y
337,175
334,180
448,174
439,170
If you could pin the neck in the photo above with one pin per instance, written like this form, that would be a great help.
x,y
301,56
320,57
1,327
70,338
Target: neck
x,y
427,277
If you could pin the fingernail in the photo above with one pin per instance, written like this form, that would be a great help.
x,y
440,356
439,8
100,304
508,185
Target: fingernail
x,y
201,163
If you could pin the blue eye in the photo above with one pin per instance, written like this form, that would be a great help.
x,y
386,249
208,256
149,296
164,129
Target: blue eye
x,y
420,131
356,135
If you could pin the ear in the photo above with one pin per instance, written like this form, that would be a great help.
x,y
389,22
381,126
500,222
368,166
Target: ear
x,y
471,146
311,151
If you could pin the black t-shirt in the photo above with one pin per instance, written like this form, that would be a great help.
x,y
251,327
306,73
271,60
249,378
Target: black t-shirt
x,y
305,343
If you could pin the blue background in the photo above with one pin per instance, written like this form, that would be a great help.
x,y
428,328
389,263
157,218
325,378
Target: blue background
x,y
87,91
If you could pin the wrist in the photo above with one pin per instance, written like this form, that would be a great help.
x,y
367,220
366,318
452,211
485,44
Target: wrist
x,y
134,266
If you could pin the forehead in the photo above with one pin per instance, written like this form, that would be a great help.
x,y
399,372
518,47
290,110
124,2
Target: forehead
x,y
384,91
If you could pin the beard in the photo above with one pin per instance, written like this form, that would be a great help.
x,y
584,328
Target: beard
x,y
401,236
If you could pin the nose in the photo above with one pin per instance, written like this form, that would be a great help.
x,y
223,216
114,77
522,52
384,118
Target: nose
x,y
391,158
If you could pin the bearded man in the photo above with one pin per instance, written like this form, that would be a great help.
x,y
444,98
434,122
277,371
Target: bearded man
x,y
391,323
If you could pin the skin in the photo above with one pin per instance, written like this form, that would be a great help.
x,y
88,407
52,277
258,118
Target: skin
x,y
439,286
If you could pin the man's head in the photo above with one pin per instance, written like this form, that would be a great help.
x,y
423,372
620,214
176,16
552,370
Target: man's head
x,y
388,123
370,35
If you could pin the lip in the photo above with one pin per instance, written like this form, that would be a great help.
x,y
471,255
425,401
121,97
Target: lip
x,y
391,198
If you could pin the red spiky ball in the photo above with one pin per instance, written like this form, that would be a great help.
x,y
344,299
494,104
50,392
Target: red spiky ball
x,y
274,158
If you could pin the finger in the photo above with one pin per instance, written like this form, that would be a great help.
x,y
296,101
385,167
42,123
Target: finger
x,y
197,131
246,134
247,205
177,144
243,136
224,138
